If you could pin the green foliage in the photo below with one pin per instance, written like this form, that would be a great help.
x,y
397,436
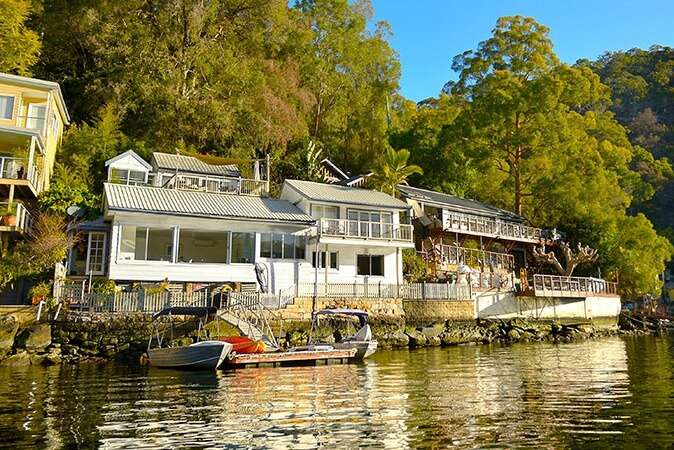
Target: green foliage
x,y
41,290
414,267
104,286
523,131
48,243
393,169
19,45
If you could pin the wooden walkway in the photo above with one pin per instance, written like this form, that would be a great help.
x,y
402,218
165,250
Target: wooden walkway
x,y
289,358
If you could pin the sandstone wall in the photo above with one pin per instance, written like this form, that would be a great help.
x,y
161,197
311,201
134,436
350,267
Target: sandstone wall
x,y
429,311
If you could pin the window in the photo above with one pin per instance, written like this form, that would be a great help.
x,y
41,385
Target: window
x,y
124,176
329,212
37,117
96,254
6,107
333,260
243,248
370,265
146,244
203,246
54,124
369,223
282,246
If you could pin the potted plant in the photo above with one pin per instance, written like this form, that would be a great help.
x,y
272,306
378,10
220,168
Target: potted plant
x,y
39,292
8,215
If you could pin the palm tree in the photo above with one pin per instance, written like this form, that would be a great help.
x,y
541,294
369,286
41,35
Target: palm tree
x,y
393,170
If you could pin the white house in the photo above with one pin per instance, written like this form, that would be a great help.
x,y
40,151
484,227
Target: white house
x,y
185,221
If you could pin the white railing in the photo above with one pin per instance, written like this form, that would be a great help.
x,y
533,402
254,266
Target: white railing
x,y
346,228
410,291
560,286
467,223
22,219
15,169
76,298
255,300
488,280
218,184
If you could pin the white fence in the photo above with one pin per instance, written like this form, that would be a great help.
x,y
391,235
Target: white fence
x,y
560,286
254,300
420,291
127,302
346,228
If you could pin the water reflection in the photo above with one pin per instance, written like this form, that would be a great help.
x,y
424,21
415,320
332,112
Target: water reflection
x,y
604,392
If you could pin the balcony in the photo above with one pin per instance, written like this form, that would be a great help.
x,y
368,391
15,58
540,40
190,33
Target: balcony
x,y
481,226
452,256
19,172
354,229
217,184
15,217
560,286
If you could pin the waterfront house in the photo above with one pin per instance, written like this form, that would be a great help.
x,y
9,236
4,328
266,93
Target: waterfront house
x,y
197,224
32,119
470,235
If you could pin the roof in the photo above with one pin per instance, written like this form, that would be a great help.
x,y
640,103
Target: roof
x,y
333,193
41,84
155,200
457,204
332,167
191,164
133,155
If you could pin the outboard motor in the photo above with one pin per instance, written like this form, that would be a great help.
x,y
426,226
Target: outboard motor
x,y
261,274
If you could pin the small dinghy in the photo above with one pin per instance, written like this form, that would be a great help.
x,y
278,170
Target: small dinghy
x,y
202,355
244,344
362,340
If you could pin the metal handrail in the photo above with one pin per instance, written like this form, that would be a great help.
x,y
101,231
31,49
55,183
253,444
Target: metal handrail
x,y
561,285
365,230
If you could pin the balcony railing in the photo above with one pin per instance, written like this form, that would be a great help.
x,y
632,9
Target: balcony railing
x,y
20,219
345,228
408,291
560,286
481,226
36,123
217,184
478,259
15,169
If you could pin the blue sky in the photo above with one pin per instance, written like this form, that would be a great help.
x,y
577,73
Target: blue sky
x,y
428,33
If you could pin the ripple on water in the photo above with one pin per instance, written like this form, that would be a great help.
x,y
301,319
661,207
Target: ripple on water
x,y
608,392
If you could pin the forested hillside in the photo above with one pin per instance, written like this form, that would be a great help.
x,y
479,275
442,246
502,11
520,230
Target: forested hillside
x,y
583,147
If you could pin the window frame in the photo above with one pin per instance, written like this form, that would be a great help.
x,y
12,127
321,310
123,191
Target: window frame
x,y
87,265
272,242
328,258
13,97
370,257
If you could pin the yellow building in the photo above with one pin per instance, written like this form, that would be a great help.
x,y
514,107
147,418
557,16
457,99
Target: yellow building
x,y
33,116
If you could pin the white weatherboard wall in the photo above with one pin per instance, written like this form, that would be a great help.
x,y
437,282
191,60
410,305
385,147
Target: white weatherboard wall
x,y
506,305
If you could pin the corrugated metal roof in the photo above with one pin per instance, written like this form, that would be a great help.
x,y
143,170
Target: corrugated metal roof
x,y
191,164
457,204
121,197
334,193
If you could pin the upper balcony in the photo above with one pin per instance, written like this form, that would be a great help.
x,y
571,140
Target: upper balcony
x,y
482,226
15,217
21,156
359,231
217,184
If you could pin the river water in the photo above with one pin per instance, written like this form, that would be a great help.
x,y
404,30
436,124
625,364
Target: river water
x,y
613,392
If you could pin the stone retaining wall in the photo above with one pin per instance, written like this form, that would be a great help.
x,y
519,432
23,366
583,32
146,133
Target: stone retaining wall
x,y
424,312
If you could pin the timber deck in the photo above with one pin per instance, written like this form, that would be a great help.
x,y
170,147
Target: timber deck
x,y
289,358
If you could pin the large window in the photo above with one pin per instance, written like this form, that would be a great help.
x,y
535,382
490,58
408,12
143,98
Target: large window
x,y
6,107
243,248
282,246
369,223
370,265
146,244
203,246
320,211
331,259
124,176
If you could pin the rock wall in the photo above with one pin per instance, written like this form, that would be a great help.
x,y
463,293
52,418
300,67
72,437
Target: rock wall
x,y
423,312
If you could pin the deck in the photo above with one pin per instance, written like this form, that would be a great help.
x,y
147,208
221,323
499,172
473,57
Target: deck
x,y
289,358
